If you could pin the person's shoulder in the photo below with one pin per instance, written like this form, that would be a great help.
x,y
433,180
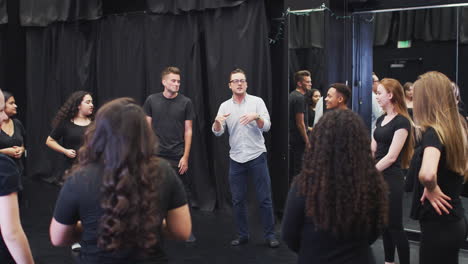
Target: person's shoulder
x,y
154,96
255,98
402,119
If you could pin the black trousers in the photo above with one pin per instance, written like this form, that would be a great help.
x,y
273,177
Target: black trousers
x,y
185,178
296,156
441,241
394,235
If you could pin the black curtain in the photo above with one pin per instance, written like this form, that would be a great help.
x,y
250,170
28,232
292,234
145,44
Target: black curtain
x,y
181,6
123,55
45,12
3,12
306,48
437,24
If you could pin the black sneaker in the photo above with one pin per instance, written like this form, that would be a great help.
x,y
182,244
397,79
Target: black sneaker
x,y
239,241
272,242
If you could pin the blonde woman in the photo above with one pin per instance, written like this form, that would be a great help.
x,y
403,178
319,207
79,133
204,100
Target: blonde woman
x,y
392,145
441,165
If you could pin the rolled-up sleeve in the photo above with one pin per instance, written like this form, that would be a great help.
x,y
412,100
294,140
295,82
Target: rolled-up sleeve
x,y
220,112
263,112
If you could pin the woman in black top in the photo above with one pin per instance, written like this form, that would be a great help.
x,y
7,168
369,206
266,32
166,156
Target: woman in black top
x,y
392,145
314,97
119,198
440,164
408,87
12,134
68,128
337,206
14,247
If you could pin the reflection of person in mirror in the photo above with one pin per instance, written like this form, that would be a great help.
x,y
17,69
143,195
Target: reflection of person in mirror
x,y
392,145
439,168
246,118
338,96
315,96
298,121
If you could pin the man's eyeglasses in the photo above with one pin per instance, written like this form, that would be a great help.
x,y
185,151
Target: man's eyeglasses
x,y
238,81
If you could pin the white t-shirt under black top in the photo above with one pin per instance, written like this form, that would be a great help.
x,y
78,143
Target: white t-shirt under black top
x,y
80,199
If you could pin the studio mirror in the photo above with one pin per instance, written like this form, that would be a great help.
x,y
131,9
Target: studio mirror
x,y
410,42
306,52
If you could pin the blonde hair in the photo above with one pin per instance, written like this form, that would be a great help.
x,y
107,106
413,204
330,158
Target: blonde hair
x,y
398,101
435,106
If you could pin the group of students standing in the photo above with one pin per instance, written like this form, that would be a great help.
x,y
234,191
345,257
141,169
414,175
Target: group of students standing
x,y
122,177
346,194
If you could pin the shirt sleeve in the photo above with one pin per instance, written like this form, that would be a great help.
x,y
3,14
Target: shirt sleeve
x,y
318,110
67,206
189,111
9,176
263,112
403,122
58,132
147,107
431,139
223,127
177,196
298,105
293,219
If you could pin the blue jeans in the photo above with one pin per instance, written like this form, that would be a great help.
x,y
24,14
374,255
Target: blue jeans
x,y
238,179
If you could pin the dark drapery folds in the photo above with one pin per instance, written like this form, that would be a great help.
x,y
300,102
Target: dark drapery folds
x,y
306,31
181,6
464,26
306,43
3,12
438,24
44,12
123,55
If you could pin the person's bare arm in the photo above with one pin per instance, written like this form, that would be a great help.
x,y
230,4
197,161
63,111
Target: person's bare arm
x,y
183,163
398,141
178,224
12,231
64,235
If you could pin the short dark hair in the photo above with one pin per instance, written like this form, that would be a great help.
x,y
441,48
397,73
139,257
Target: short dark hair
x,y
343,89
237,70
299,76
170,69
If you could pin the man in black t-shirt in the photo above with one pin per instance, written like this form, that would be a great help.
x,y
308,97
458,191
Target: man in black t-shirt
x,y
171,115
298,118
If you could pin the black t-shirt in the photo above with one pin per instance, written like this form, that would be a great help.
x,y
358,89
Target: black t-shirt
x,y
316,246
297,104
70,134
79,199
17,139
383,135
169,116
450,182
9,183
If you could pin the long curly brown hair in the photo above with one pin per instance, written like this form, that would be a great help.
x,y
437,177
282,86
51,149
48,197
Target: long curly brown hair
x,y
344,192
122,141
69,109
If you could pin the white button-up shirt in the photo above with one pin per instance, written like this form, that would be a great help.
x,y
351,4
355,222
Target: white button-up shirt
x,y
246,141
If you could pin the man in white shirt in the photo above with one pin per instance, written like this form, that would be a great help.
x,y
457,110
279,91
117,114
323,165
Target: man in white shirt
x,y
246,118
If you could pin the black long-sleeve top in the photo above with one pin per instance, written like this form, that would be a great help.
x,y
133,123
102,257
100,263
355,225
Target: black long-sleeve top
x,y
313,246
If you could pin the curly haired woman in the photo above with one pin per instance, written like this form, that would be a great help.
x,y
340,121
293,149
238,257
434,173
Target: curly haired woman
x,y
337,206
68,128
119,197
